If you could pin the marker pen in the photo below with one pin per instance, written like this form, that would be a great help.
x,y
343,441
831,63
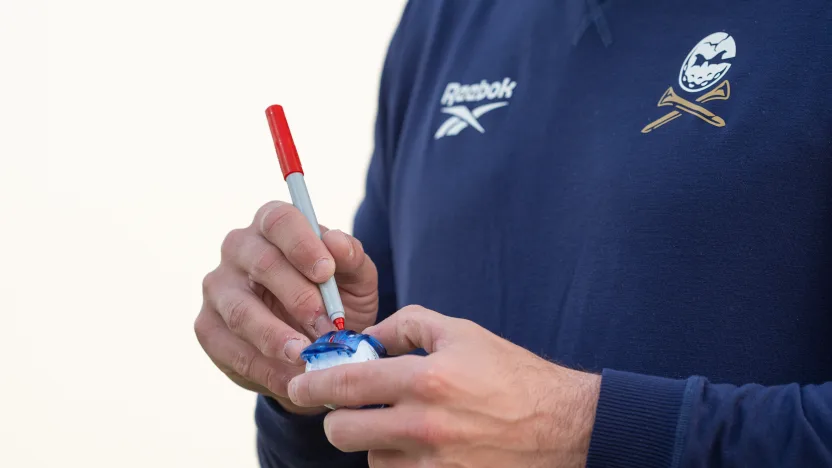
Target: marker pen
x,y
287,155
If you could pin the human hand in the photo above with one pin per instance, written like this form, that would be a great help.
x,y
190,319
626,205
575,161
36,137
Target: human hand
x,y
261,305
476,400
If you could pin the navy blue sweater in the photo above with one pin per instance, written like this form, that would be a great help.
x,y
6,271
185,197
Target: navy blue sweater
x,y
641,189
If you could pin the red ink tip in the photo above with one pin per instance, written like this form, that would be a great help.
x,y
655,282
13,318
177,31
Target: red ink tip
x,y
287,154
339,323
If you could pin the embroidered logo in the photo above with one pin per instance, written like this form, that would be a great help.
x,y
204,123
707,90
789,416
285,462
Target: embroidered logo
x,y
705,65
461,116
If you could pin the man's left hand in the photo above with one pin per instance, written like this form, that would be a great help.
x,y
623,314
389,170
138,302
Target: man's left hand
x,y
476,400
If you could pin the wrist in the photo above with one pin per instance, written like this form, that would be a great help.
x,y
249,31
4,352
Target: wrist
x,y
572,401
588,389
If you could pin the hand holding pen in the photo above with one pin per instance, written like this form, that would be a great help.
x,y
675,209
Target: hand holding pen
x,y
263,305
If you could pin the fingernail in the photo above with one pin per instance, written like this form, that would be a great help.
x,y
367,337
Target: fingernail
x,y
293,348
292,390
326,427
369,330
320,266
323,325
347,240
266,214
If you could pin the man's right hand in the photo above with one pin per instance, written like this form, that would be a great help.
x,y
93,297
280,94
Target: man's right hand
x,y
262,306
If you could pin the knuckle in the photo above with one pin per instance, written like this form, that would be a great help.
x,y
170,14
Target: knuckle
x,y
271,341
343,384
425,430
241,364
201,329
409,330
232,243
430,383
282,380
465,325
306,303
303,391
264,208
274,381
238,315
340,381
411,310
265,263
302,250
274,215
209,283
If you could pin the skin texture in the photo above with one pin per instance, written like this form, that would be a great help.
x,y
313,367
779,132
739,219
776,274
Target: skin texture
x,y
476,401
261,305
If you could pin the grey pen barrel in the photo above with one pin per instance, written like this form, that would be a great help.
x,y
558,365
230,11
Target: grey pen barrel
x,y
301,200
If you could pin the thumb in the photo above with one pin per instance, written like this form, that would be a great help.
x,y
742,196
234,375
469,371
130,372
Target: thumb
x,y
411,328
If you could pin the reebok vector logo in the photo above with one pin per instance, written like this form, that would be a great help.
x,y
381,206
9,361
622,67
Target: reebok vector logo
x,y
462,116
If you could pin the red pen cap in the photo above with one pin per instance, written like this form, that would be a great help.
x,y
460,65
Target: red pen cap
x,y
287,154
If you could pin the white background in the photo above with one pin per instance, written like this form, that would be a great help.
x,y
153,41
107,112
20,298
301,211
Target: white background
x,y
132,138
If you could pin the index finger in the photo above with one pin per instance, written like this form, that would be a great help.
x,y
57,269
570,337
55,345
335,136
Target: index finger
x,y
285,226
414,327
382,381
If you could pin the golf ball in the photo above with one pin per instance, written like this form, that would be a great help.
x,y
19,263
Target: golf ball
x,y
341,347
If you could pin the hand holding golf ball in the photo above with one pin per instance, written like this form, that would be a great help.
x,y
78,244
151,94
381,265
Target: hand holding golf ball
x,y
475,400
341,347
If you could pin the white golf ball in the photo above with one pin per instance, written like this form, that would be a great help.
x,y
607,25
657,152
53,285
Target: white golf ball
x,y
363,353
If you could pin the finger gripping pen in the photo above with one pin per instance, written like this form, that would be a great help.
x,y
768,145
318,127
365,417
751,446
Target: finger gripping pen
x,y
287,155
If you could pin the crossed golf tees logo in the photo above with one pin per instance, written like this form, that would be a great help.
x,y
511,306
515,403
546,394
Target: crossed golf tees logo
x,y
670,98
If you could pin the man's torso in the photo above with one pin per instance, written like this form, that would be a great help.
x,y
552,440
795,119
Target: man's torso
x,y
539,189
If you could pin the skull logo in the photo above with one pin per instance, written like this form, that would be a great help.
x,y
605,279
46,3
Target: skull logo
x,y
708,62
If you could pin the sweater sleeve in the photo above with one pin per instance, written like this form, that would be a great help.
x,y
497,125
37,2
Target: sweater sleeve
x,y
286,440
644,421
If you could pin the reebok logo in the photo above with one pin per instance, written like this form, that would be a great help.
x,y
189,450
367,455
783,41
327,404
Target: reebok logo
x,y
456,92
463,117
